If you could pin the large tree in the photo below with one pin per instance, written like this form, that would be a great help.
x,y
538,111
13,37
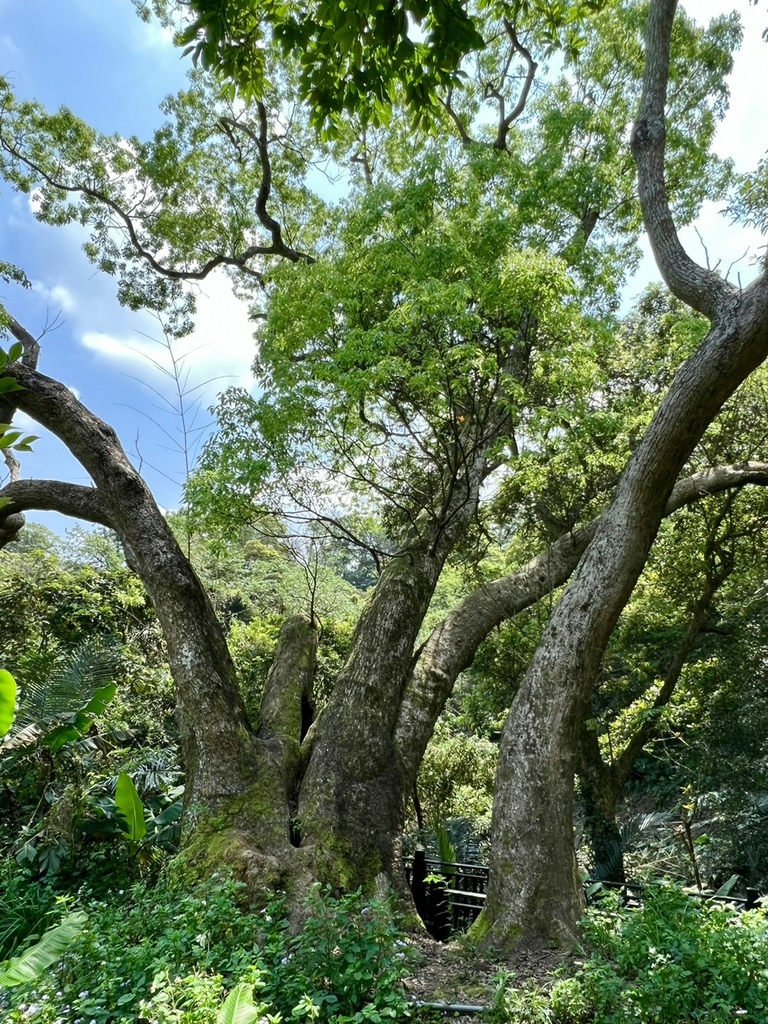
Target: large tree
x,y
423,339
534,890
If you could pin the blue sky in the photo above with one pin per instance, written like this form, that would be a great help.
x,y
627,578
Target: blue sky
x,y
98,58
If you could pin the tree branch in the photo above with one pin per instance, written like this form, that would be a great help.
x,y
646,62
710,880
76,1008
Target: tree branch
x,y
240,261
697,286
51,496
279,247
505,122
452,646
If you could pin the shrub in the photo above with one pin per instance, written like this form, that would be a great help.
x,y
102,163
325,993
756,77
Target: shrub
x,y
164,956
346,963
675,961
24,909
134,940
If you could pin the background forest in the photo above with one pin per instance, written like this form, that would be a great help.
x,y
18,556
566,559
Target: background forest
x,y
477,566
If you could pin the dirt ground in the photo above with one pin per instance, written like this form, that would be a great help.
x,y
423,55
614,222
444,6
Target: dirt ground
x,y
451,972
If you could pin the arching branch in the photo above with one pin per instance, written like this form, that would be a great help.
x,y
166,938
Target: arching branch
x,y
452,646
697,286
49,496
240,261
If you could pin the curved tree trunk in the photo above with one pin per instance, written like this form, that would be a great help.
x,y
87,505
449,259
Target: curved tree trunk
x,y
338,788
217,740
534,895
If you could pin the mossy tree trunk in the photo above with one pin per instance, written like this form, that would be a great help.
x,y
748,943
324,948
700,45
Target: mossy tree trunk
x,y
295,801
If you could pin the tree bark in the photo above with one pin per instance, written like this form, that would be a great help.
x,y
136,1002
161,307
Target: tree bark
x,y
353,797
534,895
451,647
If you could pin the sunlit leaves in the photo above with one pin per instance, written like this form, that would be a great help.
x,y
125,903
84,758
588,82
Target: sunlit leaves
x,y
34,961
130,807
352,57
165,209
8,692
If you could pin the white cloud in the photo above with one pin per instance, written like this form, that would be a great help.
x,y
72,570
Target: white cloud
x,y
218,354
59,297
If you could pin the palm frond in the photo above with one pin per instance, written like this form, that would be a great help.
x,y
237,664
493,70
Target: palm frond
x,y
70,683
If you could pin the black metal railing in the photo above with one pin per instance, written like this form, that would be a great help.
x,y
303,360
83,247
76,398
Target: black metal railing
x,y
449,897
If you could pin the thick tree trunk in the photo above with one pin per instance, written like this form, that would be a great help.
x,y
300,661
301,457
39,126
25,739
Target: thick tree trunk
x,y
353,797
338,791
249,799
534,894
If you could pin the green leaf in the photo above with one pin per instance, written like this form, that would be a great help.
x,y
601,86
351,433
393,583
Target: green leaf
x,y
16,351
725,888
130,807
38,958
98,702
61,735
8,691
239,1008
9,384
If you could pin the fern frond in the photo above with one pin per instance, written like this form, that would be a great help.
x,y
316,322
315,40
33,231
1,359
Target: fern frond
x,y
57,688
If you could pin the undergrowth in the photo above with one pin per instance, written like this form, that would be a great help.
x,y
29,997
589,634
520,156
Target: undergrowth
x,y
674,961
163,956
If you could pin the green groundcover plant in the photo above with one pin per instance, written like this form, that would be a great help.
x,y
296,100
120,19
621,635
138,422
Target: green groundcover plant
x,y
677,960
162,956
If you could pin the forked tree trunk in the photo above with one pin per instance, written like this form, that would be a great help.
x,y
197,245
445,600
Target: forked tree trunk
x,y
534,895
292,803
249,803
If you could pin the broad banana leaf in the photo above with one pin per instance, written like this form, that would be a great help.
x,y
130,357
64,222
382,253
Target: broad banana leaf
x,y
130,807
38,958
7,701
238,1007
